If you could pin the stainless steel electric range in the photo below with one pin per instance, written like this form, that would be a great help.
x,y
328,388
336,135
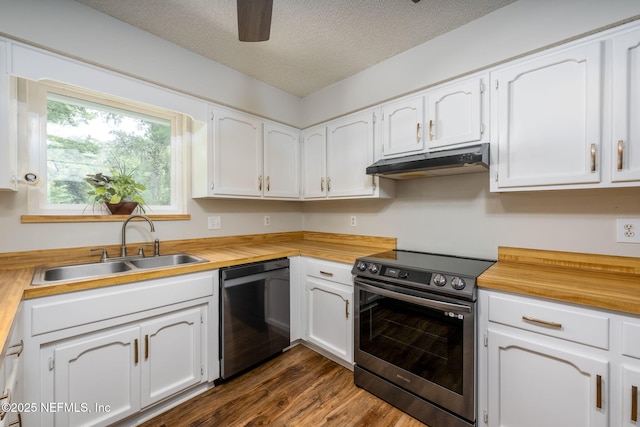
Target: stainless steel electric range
x,y
415,333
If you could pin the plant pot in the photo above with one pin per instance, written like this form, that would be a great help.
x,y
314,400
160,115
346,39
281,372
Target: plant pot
x,y
122,208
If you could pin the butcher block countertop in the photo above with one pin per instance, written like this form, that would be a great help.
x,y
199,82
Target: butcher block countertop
x,y
599,281
17,268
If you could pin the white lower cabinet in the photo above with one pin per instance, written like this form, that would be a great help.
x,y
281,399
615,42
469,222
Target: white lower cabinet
x,y
96,369
546,363
532,384
133,366
329,309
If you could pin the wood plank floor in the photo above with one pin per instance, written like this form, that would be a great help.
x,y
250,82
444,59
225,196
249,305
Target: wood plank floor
x,y
297,388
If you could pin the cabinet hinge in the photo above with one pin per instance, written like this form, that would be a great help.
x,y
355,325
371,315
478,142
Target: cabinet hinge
x,y
486,340
486,417
52,363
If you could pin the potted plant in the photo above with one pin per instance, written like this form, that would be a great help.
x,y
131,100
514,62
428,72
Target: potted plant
x,y
119,191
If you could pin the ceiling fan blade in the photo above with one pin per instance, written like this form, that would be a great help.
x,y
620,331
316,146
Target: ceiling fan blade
x,y
254,20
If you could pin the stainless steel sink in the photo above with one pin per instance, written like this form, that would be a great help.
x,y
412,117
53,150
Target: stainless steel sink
x,y
166,260
67,273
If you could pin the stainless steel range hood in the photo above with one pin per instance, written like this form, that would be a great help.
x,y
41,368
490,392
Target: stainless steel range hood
x,y
457,161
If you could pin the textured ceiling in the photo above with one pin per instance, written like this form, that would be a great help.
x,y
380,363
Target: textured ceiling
x,y
313,43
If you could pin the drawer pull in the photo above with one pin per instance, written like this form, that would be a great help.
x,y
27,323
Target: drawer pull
x,y
135,351
540,322
347,308
13,349
593,157
599,391
634,403
146,347
326,273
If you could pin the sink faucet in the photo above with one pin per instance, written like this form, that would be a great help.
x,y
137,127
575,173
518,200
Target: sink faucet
x,y
123,248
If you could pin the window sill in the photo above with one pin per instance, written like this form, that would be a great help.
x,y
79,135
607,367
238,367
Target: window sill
x,y
33,219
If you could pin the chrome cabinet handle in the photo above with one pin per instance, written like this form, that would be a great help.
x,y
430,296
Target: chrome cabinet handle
x,y
430,130
593,157
418,133
268,184
542,322
328,184
634,403
620,154
260,182
321,184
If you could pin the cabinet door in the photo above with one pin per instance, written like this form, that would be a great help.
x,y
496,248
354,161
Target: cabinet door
x,y
350,151
170,354
454,114
626,108
402,130
630,396
532,385
237,154
281,162
314,163
8,141
548,118
101,371
330,314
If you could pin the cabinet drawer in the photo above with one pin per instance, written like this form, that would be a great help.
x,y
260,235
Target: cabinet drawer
x,y
551,319
336,272
631,339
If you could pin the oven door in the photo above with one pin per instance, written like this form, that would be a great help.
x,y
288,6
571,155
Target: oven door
x,y
422,344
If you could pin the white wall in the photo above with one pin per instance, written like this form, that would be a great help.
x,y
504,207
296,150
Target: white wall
x,y
458,215
513,30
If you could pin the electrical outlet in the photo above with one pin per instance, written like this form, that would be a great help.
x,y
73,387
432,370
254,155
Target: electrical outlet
x,y
354,221
628,230
215,223
267,220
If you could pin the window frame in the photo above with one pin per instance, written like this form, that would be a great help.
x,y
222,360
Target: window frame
x,y
35,97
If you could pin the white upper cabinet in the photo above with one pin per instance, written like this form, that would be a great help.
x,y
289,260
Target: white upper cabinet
x,y
626,107
237,154
281,161
403,127
241,156
314,165
547,118
336,156
8,137
349,152
454,114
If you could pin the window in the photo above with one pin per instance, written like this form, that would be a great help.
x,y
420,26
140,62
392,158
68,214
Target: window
x,y
79,133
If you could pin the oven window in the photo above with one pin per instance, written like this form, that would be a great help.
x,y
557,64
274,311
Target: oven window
x,y
420,340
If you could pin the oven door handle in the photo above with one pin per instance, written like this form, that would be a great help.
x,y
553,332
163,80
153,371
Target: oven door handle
x,y
425,302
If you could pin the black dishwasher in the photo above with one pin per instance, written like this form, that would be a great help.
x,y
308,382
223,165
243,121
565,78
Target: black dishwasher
x,y
254,314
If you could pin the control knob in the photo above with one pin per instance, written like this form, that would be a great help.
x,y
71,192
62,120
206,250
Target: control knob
x,y
362,266
439,280
374,268
458,283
